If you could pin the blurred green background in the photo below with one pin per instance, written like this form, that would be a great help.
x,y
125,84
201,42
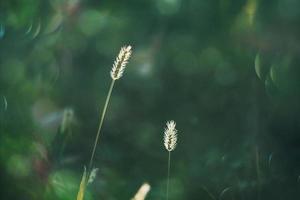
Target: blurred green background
x,y
227,71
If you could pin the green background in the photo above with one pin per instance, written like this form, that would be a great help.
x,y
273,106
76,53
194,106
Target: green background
x,y
227,71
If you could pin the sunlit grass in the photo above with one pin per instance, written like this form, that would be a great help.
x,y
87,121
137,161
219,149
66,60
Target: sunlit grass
x,y
116,73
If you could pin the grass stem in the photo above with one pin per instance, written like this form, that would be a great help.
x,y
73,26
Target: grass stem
x,y
100,124
168,179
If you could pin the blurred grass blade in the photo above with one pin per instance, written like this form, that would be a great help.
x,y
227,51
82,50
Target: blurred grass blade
x,y
223,192
2,31
54,24
37,30
273,73
29,29
257,66
82,186
5,103
142,192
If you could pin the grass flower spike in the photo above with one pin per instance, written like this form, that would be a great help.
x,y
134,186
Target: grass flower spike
x,y
120,62
170,142
170,136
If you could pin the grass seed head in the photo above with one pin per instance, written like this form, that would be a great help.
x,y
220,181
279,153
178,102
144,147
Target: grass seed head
x,y
120,62
170,136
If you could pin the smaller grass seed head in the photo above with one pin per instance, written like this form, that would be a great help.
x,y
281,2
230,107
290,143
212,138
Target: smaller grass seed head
x,y
170,136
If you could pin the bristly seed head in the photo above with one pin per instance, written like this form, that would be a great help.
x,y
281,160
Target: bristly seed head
x,y
120,62
170,136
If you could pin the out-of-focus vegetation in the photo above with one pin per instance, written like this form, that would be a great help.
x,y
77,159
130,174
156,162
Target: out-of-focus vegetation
x,y
227,71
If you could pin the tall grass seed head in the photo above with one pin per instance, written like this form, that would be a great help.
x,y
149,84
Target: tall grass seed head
x,y
121,62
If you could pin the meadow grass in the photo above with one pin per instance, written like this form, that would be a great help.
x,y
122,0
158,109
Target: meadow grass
x,y
116,73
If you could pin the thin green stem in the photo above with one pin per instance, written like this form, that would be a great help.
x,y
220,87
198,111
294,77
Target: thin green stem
x,y
258,172
168,179
100,124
